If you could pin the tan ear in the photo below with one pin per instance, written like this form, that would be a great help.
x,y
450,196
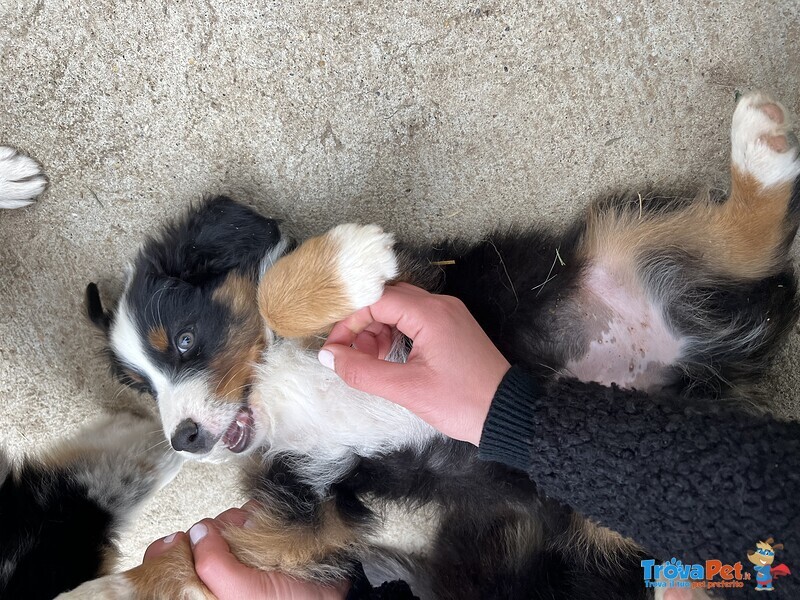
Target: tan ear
x,y
769,541
777,547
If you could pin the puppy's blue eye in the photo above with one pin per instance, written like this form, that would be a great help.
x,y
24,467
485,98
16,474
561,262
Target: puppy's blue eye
x,y
184,341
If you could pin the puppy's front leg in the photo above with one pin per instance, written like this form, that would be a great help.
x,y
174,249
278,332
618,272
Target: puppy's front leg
x,y
321,551
170,576
326,279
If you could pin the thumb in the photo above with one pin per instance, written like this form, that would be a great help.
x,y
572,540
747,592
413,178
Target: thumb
x,y
216,565
369,374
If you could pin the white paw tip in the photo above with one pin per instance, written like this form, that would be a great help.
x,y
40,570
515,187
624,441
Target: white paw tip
x,y
21,179
762,144
366,261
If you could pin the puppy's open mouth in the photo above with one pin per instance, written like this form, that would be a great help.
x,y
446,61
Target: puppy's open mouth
x,y
240,432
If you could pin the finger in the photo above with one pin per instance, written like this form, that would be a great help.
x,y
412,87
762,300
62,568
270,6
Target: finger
x,y
403,307
163,545
345,331
385,341
399,307
375,328
215,564
375,344
369,374
232,516
366,344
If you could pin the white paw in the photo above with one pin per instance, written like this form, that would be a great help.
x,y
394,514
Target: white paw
x,y
21,179
366,261
762,143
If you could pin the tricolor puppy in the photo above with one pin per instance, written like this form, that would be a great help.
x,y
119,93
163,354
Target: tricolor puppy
x,y
221,319
21,179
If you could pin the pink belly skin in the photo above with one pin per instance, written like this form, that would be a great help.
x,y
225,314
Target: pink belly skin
x,y
629,342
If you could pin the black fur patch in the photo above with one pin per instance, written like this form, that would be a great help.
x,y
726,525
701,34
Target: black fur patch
x,y
51,532
94,308
513,283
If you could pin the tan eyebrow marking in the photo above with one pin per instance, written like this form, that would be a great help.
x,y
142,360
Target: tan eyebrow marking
x,y
158,339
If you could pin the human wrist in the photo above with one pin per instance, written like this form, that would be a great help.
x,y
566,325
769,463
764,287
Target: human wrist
x,y
508,429
483,402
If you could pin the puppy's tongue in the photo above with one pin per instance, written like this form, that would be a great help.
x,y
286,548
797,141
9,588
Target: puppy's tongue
x,y
238,436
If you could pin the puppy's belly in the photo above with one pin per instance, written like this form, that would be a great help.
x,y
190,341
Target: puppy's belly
x,y
627,340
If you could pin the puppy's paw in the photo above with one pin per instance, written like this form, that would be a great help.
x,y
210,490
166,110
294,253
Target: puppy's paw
x,y
366,261
122,460
326,279
21,179
170,575
762,143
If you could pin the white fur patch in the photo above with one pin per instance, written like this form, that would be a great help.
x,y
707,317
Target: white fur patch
x,y
302,407
126,341
21,179
192,398
404,528
5,464
750,153
405,535
366,261
274,254
633,340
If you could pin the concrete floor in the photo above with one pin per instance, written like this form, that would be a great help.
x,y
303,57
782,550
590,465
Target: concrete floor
x,y
428,117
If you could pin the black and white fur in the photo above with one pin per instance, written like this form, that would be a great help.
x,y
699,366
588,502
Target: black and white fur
x,y
63,509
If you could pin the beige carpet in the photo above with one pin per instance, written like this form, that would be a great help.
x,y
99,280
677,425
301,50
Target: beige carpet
x,y
429,117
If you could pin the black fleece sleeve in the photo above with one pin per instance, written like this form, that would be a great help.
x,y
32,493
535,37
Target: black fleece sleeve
x,y
693,480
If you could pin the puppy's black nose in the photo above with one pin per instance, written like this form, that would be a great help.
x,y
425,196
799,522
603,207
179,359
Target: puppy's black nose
x,y
190,437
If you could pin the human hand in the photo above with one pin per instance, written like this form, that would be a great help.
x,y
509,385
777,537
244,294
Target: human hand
x,y
226,577
453,370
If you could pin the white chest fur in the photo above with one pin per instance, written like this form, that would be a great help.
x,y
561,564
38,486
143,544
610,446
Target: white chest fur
x,y
304,408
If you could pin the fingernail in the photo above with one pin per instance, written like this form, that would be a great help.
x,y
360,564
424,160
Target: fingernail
x,y
197,532
325,358
170,538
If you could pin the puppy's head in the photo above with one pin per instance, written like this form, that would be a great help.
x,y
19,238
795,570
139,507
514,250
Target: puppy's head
x,y
187,329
